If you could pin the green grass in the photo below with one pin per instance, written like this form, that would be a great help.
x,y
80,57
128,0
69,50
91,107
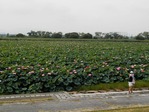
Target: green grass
x,y
133,109
114,86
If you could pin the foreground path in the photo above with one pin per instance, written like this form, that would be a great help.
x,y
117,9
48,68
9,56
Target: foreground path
x,y
65,102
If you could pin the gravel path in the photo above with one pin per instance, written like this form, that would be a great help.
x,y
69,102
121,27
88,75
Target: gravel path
x,y
66,102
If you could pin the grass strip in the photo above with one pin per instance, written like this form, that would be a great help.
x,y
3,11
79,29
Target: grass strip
x,y
132,109
114,86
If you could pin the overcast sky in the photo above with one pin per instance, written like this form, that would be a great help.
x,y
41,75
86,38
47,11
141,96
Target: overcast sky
x,y
131,16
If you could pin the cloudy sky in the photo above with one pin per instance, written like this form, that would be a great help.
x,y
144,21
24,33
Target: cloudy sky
x,y
131,16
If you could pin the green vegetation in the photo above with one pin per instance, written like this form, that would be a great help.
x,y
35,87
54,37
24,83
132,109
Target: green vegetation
x,y
76,35
44,65
114,86
133,109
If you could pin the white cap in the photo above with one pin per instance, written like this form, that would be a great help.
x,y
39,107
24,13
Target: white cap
x,y
131,72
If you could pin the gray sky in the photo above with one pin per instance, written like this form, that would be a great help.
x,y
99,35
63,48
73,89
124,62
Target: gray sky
x,y
131,16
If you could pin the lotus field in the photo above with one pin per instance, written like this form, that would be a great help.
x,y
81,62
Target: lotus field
x,y
28,66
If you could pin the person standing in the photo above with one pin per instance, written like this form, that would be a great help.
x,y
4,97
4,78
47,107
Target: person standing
x,y
131,82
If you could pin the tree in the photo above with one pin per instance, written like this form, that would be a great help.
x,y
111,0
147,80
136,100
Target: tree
x,y
109,36
20,35
114,35
57,35
39,33
72,35
81,34
138,37
32,34
99,35
29,34
43,34
87,36
146,34
48,34
142,36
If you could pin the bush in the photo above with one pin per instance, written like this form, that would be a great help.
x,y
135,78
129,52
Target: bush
x,y
20,35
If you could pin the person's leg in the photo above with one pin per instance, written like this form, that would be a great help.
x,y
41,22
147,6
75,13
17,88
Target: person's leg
x,y
130,89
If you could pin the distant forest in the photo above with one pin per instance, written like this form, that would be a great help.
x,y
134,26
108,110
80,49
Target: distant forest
x,y
76,35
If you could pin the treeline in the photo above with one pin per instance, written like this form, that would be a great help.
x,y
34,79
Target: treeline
x,y
45,34
75,35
